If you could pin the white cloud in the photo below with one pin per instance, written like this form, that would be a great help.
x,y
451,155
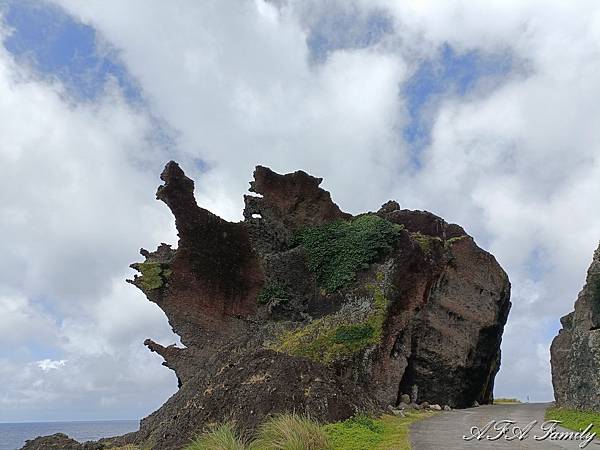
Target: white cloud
x,y
49,364
20,322
517,166
78,187
244,92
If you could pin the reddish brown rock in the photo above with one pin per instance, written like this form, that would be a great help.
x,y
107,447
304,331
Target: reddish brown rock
x,y
213,277
445,305
421,311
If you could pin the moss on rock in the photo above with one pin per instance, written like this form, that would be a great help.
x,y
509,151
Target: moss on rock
x,y
426,242
337,336
154,275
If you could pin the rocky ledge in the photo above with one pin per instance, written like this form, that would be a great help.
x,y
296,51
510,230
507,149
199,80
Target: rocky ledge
x,y
304,307
575,351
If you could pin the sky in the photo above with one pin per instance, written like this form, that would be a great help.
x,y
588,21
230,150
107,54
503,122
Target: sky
x,y
485,113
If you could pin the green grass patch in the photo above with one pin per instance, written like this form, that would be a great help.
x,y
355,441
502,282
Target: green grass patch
x,y
574,419
338,250
336,336
356,433
296,432
272,290
365,433
506,401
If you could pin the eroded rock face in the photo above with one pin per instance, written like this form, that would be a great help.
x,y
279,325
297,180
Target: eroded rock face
x,y
304,307
575,351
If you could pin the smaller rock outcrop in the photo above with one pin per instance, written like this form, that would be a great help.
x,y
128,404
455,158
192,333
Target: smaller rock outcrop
x,y
575,351
60,441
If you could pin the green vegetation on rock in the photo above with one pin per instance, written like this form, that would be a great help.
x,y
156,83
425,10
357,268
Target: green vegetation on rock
x,y
574,419
338,250
154,275
338,335
449,242
426,242
272,290
353,333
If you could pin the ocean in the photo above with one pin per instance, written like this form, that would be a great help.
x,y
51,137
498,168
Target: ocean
x,y
14,435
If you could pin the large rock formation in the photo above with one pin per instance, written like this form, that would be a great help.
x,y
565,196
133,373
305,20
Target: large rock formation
x,y
304,307
575,351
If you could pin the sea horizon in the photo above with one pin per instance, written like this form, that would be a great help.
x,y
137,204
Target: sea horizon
x,y
68,421
13,435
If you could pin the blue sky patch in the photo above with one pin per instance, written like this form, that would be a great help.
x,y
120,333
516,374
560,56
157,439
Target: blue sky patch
x,y
450,73
346,29
58,46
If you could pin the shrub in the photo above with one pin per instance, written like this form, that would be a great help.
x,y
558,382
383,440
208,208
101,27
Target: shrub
x,y
222,437
290,432
272,290
338,250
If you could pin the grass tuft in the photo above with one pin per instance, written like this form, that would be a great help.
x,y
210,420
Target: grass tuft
x,y
222,437
290,432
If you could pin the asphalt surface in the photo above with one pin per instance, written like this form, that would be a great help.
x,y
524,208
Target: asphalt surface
x,y
445,431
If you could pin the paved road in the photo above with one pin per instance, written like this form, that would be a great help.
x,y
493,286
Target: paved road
x,y
445,431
